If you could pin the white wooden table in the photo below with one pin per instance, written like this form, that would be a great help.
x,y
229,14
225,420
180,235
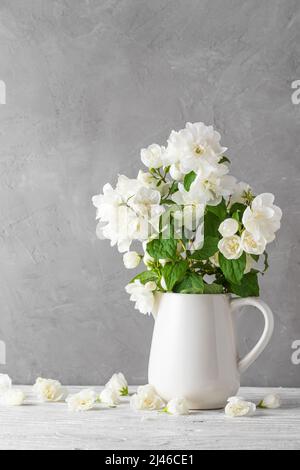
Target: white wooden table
x,y
51,426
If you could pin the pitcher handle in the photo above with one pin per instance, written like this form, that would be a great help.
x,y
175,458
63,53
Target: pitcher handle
x,y
267,333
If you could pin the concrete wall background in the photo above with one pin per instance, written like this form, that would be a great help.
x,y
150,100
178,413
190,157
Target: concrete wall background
x,y
89,82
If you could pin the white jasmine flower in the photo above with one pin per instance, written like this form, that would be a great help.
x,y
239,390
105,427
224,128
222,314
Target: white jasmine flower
x,y
152,156
13,397
5,383
49,390
249,264
177,406
192,145
146,398
142,294
252,245
175,172
146,202
127,187
231,247
238,407
263,218
271,401
228,227
106,202
146,179
126,213
82,401
239,193
148,260
118,383
109,397
211,184
131,259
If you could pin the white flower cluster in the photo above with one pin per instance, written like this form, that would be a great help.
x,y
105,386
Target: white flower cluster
x,y
87,399
147,399
261,220
132,210
186,181
238,407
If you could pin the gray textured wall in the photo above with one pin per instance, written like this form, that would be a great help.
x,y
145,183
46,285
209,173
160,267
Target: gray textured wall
x,y
88,84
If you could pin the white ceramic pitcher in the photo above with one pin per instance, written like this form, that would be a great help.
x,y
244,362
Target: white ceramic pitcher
x,y
194,353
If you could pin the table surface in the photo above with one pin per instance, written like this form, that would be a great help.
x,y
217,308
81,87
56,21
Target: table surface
x,y
50,426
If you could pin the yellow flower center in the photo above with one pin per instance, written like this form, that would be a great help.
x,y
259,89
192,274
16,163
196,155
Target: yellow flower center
x,y
199,150
210,185
233,245
251,242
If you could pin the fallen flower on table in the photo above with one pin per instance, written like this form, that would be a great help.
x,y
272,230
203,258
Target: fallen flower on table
x,y
48,390
13,397
271,401
177,406
237,407
146,398
118,383
82,401
109,397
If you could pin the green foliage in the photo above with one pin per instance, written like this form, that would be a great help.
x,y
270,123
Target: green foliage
x,y
239,208
174,273
188,180
266,262
191,284
145,276
211,225
248,286
161,248
233,269
224,160
209,248
213,288
220,210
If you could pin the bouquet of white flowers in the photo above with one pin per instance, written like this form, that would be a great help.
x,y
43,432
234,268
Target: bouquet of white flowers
x,y
201,231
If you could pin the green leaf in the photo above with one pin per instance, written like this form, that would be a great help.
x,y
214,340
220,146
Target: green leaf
x,y
248,287
238,207
220,210
261,405
233,269
191,284
188,180
213,289
145,276
255,257
266,262
237,216
224,160
211,225
124,392
162,248
167,201
209,248
174,272
174,188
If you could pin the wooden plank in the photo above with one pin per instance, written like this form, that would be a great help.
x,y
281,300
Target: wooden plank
x,y
51,426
